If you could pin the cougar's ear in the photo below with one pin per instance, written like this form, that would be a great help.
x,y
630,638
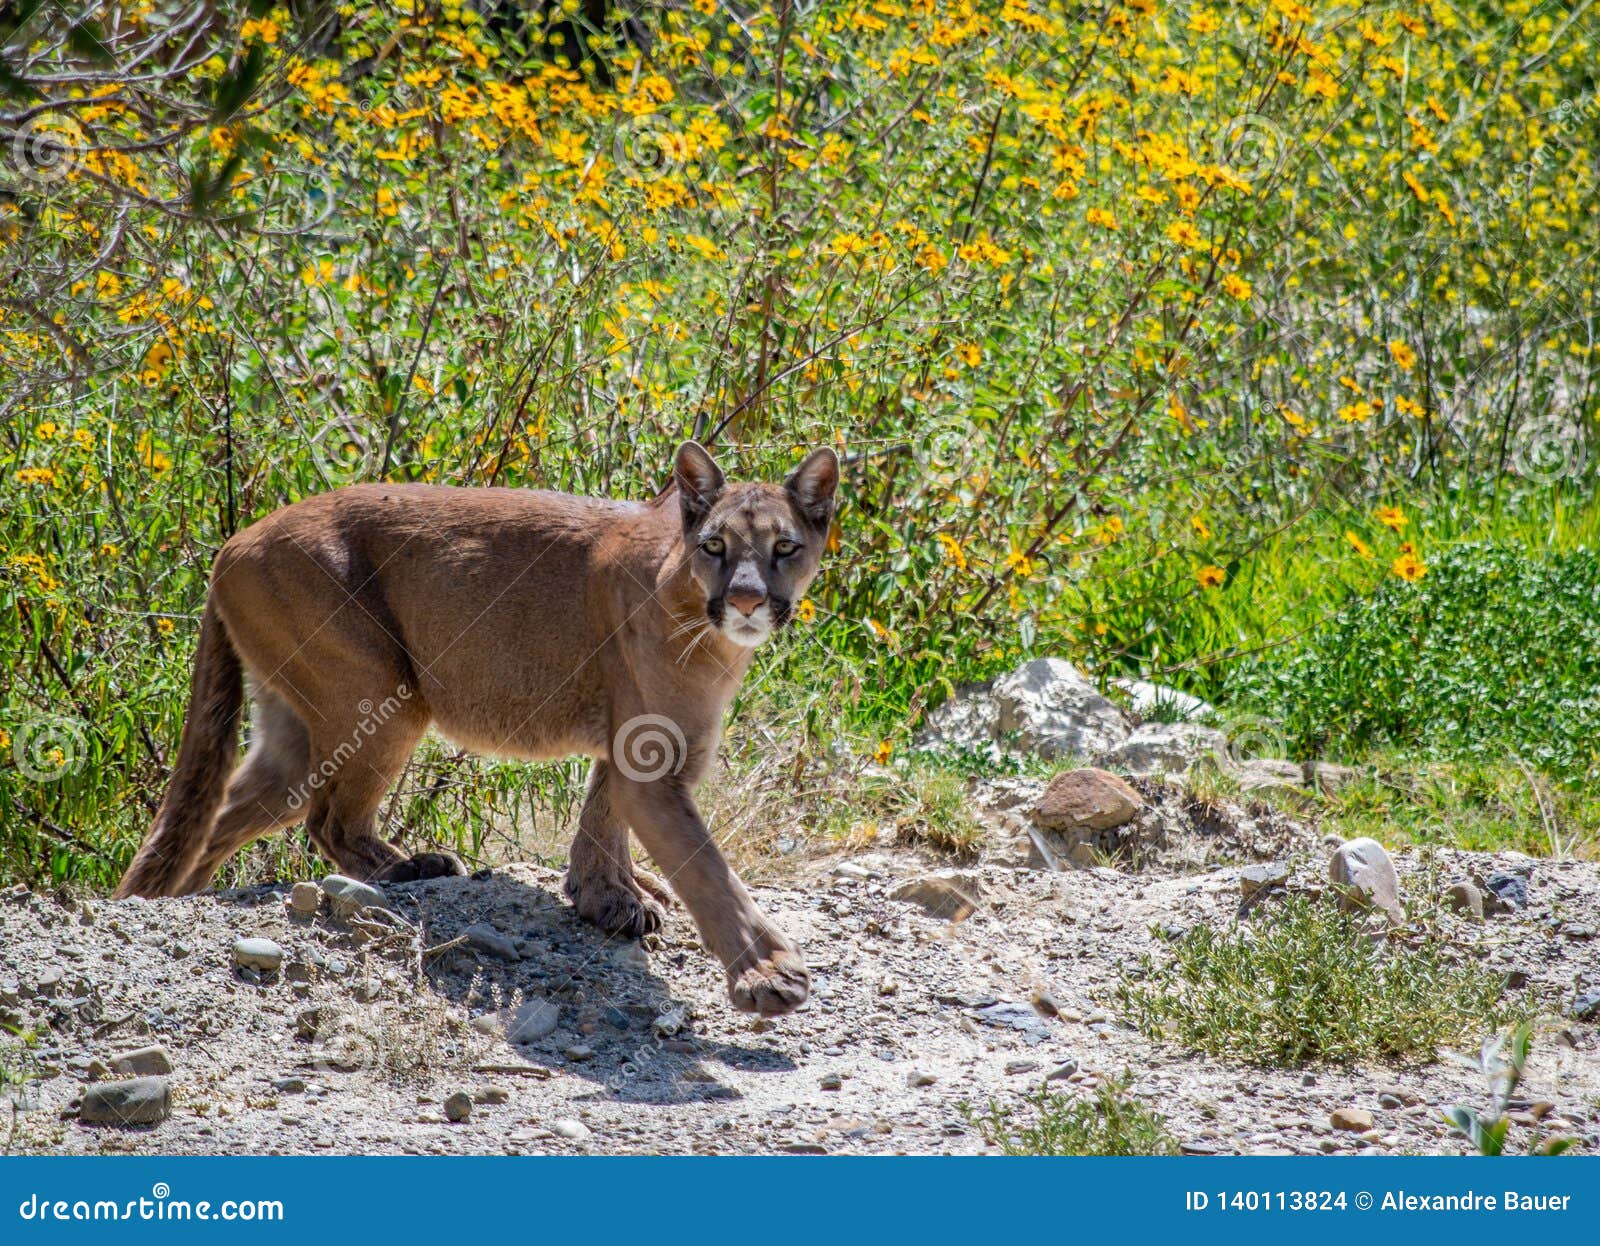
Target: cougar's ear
x,y
699,482
813,484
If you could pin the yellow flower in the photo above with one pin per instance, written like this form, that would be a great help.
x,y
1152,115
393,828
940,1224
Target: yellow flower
x,y
1409,568
48,430
1211,577
1391,517
1185,234
1403,355
1356,412
1200,527
36,476
884,752
1357,544
806,610
1236,287
953,553
265,30
164,626
970,354
1100,217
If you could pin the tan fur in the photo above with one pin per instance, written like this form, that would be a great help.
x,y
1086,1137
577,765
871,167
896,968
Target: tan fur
x,y
521,624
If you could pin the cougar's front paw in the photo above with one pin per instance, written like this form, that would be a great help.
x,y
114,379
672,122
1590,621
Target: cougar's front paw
x,y
615,907
423,865
774,985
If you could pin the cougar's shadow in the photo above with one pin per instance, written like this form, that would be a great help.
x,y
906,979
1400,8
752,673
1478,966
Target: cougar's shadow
x,y
507,949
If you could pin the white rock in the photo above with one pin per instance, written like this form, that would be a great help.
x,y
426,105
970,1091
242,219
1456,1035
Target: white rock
x,y
1165,748
533,1020
1149,700
1053,710
1365,877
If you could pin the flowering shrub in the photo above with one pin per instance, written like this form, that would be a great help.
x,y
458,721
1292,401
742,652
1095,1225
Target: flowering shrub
x,y
1096,300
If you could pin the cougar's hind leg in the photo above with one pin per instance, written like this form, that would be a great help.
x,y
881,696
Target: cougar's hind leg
x,y
268,792
603,883
353,764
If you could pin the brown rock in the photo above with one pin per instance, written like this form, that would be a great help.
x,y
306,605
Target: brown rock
x,y
143,1061
1086,800
1356,1120
1463,897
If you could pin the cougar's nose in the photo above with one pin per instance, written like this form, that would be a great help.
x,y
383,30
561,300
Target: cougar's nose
x,y
745,602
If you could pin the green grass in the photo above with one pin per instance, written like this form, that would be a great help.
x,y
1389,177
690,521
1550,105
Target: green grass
x,y
1304,983
1110,1122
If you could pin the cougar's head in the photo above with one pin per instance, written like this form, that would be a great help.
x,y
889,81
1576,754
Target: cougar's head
x,y
754,548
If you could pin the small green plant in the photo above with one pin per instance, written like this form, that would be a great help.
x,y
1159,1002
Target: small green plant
x,y
1502,1061
1110,1122
1307,982
922,801
19,1069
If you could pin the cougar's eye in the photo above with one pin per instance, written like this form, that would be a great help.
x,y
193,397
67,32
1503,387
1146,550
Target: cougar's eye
x,y
784,548
714,545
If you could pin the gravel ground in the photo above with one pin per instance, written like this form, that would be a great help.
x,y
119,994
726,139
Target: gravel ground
x,y
359,1040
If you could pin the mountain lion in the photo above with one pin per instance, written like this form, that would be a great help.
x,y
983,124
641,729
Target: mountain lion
x,y
523,624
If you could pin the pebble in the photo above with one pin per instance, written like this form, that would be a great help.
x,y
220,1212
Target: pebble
x,y
1355,1120
533,1020
257,953
832,1081
137,1101
144,1060
1360,869
1586,1006
573,1131
950,895
578,1053
288,1085
494,1094
1257,879
1014,1067
348,897
487,939
1511,890
919,1078
1463,897
1062,1071
458,1107
305,898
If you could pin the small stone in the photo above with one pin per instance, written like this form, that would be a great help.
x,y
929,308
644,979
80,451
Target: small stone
x,y
832,1081
918,1078
305,899
1197,1147
1464,898
578,1053
1015,1067
1257,879
257,953
1511,890
1365,877
487,939
950,895
669,1023
144,1060
1353,1120
137,1101
1062,1071
458,1107
573,1131
288,1085
535,1019
1586,1006
1387,1100
1086,800
348,897
1327,778
493,1095
1261,774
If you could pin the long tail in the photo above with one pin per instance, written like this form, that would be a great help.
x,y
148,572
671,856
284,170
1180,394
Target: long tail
x,y
206,757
